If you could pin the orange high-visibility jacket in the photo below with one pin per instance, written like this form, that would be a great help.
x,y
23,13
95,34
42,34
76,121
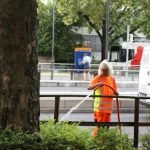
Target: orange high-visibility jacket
x,y
102,104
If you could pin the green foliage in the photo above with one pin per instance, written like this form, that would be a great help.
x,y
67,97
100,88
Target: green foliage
x,y
65,37
70,10
56,136
122,13
17,140
111,139
145,141
62,136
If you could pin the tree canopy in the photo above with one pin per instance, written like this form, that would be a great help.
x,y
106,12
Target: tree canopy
x,y
65,38
122,13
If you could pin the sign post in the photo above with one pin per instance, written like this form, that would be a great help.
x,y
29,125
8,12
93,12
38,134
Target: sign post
x,y
127,53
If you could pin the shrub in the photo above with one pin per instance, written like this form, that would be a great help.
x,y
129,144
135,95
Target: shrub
x,y
62,136
145,141
110,139
17,140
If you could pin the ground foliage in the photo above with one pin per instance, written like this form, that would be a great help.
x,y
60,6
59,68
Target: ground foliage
x,y
145,141
56,136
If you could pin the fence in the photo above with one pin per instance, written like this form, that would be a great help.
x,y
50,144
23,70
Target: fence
x,y
135,123
75,74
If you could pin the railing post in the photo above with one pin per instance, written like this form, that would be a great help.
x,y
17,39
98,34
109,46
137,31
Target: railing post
x,y
71,74
56,111
136,122
39,67
95,73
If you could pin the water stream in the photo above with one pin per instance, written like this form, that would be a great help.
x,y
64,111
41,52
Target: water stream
x,y
75,107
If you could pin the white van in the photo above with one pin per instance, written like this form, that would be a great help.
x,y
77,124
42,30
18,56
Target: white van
x,y
144,75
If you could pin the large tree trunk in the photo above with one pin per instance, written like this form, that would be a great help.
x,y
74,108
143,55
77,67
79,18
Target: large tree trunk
x,y
19,81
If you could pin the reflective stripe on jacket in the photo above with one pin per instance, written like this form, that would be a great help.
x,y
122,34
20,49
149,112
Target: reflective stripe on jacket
x,y
104,104
97,101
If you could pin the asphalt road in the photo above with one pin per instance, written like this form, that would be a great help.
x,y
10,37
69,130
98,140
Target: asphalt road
x,y
67,89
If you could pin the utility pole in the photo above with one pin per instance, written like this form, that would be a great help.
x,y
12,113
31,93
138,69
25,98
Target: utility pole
x,y
127,52
107,29
53,40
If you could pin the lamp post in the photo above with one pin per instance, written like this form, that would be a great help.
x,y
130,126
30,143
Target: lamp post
x,y
107,28
53,39
127,52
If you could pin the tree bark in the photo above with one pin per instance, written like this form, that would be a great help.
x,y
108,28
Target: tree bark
x,y
19,79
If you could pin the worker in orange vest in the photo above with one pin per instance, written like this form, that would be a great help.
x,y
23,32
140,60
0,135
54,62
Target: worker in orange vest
x,y
103,105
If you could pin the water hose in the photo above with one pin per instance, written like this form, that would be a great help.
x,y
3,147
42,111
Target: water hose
x,y
75,107
117,102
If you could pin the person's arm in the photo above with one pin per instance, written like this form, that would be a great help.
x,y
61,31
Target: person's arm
x,y
115,87
91,87
95,83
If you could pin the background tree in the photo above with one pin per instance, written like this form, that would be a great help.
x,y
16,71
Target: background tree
x,y
122,13
65,37
19,82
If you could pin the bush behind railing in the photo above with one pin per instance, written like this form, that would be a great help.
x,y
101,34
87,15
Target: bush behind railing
x,y
62,136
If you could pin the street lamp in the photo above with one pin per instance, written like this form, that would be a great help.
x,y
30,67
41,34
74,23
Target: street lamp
x,y
107,29
127,52
53,39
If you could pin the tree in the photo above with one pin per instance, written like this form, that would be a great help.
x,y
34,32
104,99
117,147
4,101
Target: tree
x,y
19,79
65,37
122,13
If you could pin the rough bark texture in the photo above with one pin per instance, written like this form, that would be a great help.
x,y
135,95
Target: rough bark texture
x,y
19,81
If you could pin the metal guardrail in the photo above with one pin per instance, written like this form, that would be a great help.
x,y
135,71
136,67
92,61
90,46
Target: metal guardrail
x,y
94,67
135,123
120,64
119,70
80,83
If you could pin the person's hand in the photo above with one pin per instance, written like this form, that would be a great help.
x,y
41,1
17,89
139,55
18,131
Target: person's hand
x,y
116,93
100,84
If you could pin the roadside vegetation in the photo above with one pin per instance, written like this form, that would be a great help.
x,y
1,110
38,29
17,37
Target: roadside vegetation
x,y
62,136
145,141
66,38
